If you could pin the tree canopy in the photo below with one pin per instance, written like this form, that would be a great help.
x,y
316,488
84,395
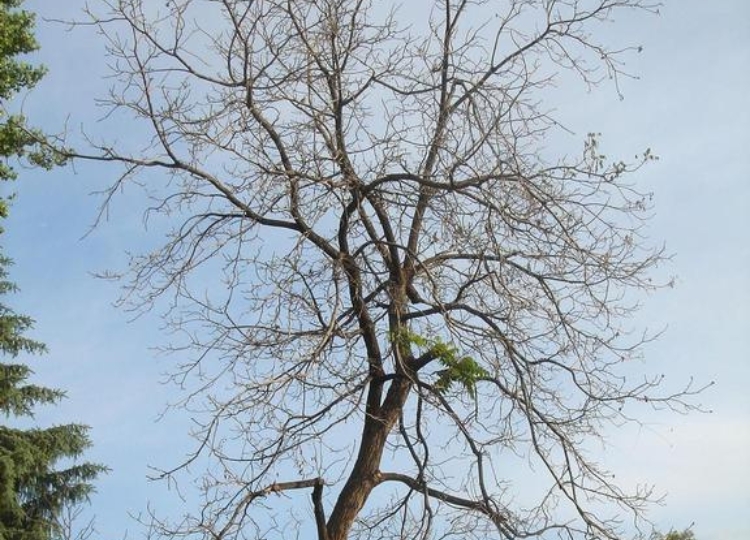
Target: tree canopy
x,y
391,293
37,478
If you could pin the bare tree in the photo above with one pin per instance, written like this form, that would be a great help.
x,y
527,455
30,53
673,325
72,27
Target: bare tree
x,y
391,293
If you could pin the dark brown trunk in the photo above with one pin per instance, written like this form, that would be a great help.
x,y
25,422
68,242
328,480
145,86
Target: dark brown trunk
x,y
365,473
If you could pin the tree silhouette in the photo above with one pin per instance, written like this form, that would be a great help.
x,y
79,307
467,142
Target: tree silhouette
x,y
388,289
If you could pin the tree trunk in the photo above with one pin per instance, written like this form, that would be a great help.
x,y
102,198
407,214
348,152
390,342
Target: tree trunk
x,y
365,474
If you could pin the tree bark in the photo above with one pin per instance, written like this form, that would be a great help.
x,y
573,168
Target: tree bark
x,y
365,474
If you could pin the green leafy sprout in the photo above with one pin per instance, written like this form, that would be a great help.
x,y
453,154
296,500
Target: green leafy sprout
x,y
463,370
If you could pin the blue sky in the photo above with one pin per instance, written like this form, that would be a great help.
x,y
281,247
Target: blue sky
x,y
689,106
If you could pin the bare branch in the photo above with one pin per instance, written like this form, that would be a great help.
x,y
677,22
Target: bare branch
x,y
374,259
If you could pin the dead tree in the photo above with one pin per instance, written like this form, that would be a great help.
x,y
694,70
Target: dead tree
x,y
392,295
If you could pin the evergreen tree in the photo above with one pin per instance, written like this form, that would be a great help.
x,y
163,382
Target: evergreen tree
x,y
16,140
38,474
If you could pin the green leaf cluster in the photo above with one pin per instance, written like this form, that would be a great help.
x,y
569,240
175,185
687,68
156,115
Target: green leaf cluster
x,y
32,491
16,139
463,370
16,38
